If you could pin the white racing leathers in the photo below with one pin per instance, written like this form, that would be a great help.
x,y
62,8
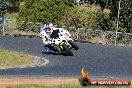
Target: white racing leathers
x,y
48,40
46,37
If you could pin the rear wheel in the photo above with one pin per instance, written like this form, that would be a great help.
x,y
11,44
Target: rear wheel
x,y
67,49
74,45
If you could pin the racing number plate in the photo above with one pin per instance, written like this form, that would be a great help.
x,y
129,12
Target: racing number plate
x,y
66,35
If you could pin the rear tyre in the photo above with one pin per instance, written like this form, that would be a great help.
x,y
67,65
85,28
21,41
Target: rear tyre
x,y
67,49
74,45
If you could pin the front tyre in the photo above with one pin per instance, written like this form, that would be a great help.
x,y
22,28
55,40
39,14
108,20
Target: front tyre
x,y
66,48
74,45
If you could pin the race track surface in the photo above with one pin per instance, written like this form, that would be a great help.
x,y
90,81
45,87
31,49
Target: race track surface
x,y
99,60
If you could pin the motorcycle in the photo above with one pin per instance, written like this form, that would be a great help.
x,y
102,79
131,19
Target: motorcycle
x,y
62,41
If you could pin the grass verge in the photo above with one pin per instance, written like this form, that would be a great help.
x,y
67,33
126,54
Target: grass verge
x,y
65,86
13,58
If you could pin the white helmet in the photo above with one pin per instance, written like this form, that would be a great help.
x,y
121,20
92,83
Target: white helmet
x,y
48,27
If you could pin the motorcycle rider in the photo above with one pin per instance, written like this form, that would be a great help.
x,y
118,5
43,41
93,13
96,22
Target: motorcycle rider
x,y
49,31
45,32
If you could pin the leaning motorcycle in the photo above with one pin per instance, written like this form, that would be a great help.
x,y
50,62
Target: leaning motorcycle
x,y
68,37
63,42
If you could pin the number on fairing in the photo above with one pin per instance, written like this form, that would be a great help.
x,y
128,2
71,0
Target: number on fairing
x,y
66,35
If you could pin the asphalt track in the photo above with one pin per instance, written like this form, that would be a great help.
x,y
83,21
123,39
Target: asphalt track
x,y
99,60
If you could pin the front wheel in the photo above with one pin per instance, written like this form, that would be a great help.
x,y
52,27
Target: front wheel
x,y
73,44
66,48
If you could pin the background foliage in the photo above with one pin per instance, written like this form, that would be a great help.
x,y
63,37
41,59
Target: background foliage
x,y
2,12
64,12
87,17
44,10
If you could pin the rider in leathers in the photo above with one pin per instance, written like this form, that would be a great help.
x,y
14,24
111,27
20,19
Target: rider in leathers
x,y
46,32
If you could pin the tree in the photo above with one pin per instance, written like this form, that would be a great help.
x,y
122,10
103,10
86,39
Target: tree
x,y
2,12
13,5
125,20
84,17
126,15
44,10
2,7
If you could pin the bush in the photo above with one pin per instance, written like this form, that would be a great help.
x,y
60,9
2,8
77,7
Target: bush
x,y
86,17
28,26
44,10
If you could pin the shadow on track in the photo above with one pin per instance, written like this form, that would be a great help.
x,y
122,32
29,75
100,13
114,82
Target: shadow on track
x,y
57,53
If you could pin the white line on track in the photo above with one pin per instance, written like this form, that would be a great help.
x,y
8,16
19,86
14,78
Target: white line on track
x,y
29,65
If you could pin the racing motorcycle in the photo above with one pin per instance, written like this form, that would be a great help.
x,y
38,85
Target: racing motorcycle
x,y
63,41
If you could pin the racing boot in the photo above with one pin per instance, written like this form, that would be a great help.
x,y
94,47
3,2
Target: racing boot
x,y
47,50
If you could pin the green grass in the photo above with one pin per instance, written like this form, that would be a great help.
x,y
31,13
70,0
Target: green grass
x,y
12,16
12,23
66,86
12,58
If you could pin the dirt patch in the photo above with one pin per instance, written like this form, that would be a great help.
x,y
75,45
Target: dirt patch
x,y
39,80
98,40
16,32
47,81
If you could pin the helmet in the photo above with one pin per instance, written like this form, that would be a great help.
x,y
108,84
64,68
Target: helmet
x,y
48,24
48,27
